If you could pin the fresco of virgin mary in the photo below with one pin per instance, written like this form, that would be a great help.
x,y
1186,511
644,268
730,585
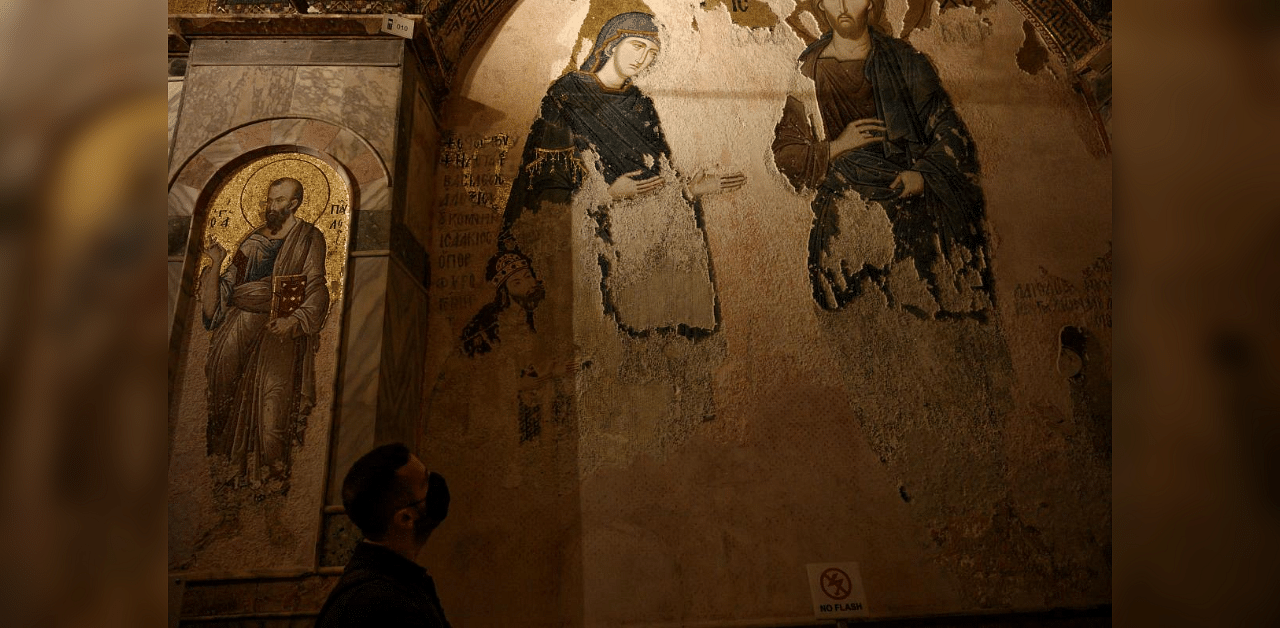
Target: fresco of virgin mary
x,y
656,271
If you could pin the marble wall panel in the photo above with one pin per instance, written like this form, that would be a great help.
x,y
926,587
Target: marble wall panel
x,y
317,93
298,52
267,92
346,147
226,599
265,596
287,131
410,252
175,284
369,105
223,97
375,196
175,103
210,106
196,172
279,596
219,98
179,229
317,134
177,586
420,180
366,167
254,136
312,592
400,411
182,199
362,355
371,231
222,150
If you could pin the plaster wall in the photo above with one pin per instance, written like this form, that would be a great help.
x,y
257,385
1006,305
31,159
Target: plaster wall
x,y
964,464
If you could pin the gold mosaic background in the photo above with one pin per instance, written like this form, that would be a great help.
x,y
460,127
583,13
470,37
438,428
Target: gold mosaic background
x,y
237,209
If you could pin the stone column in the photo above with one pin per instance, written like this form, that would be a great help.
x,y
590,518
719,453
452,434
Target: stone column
x,y
251,88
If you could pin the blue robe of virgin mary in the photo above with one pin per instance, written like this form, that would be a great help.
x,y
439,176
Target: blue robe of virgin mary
x,y
579,114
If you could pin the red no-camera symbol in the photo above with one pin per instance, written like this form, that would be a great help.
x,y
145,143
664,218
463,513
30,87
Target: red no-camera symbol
x,y
835,583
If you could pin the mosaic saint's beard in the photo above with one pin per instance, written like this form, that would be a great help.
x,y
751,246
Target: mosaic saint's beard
x,y
275,220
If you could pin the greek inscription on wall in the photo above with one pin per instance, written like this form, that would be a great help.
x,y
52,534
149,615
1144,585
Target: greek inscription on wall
x,y
472,192
1091,297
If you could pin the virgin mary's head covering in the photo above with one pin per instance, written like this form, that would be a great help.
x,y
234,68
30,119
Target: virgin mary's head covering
x,y
615,30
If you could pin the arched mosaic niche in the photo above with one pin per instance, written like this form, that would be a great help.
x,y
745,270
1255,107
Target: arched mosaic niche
x,y
254,356
350,155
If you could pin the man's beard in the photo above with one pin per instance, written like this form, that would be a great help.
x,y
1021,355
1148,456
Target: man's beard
x,y
851,29
275,220
531,300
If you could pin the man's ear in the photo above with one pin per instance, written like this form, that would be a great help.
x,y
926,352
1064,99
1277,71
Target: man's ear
x,y
403,517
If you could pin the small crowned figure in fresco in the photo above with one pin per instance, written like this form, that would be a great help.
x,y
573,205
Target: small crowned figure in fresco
x,y
265,312
514,285
878,123
654,260
517,293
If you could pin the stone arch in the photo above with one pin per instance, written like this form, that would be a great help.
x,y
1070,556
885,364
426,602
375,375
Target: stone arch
x,y
346,150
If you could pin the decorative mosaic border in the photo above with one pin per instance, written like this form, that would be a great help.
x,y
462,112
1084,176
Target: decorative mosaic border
x,y
1065,28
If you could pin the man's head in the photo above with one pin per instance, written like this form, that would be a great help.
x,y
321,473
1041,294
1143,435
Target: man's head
x,y
849,18
390,496
284,197
525,289
512,274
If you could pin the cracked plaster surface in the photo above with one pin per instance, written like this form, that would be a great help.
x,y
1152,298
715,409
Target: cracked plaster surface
x,y
791,434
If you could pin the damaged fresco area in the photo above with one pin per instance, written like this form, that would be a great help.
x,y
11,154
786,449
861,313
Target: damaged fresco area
x,y
595,124
596,181
873,138
877,134
741,280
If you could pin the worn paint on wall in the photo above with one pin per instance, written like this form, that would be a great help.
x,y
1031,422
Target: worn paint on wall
x,y
612,472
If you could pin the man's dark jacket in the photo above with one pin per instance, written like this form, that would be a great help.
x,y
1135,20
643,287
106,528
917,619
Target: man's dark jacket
x,y
382,588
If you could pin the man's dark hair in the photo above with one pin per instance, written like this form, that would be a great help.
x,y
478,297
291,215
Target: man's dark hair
x,y
297,187
372,492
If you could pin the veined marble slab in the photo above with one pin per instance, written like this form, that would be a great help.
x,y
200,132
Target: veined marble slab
x,y
384,52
